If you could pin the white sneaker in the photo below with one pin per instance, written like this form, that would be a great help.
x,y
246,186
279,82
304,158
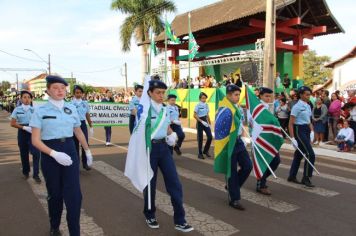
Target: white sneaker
x,y
184,228
108,144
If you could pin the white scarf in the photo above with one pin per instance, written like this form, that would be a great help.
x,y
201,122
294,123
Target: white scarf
x,y
156,106
26,107
57,103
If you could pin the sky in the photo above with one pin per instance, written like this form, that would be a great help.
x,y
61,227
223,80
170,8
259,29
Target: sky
x,y
83,38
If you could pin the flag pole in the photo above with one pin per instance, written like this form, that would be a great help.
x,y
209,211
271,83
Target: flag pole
x,y
307,159
189,69
148,180
150,57
259,152
165,51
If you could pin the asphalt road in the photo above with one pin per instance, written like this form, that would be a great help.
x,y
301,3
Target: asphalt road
x,y
111,206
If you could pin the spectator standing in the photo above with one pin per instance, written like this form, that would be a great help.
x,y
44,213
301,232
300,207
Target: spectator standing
x,y
319,118
283,114
334,112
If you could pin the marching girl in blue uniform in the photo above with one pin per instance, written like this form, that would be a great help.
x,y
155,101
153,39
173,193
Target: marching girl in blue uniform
x,y
135,101
162,136
107,129
302,132
201,114
20,119
83,112
176,125
53,125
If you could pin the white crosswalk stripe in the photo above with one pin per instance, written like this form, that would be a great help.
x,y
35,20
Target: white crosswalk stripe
x,y
202,222
320,191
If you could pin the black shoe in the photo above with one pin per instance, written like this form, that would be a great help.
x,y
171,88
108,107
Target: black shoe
x,y
207,154
184,228
236,204
177,150
37,179
200,156
152,223
26,176
306,181
293,180
86,167
55,232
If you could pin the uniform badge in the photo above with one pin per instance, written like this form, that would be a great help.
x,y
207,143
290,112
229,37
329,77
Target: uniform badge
x,y
67,111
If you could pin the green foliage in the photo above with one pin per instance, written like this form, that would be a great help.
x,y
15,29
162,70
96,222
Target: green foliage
x,y
314,70
5,85
141,16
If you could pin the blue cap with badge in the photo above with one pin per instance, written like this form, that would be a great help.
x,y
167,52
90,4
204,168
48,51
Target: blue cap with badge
x,y
153,84
171,96
75,87
51,79
26,92
264,90
303,89
232,88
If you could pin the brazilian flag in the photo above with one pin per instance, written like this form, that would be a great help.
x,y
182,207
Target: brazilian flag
x,y
227,123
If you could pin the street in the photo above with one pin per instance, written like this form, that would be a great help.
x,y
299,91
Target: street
x,y
112,206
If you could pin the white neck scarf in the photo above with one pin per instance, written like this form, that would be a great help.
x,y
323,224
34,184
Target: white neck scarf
x,y
156,106
57,103
77,100
26,107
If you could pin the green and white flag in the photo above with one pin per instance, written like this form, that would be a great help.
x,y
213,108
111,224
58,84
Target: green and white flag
x,y
154,48
170,33
193,46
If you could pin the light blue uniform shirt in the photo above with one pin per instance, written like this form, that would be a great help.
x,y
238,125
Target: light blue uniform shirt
x,y
173,112
302,113
21,116
82,108
135,101
162,131
202,109
55,123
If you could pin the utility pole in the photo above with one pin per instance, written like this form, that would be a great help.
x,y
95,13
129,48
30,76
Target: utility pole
x,y
125,65
270,45
49,64
17,82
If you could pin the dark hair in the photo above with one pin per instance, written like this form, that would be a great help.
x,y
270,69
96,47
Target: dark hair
x,y
326,92
284,100
108,90
337,96
202,94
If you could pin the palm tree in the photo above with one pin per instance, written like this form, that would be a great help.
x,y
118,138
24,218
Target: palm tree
x,y
141,16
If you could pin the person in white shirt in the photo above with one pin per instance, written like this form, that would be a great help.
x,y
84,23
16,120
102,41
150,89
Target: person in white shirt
x,y
345,138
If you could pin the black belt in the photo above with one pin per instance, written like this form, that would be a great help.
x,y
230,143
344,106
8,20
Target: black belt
x,y
24,124
62,140
203,117
163,140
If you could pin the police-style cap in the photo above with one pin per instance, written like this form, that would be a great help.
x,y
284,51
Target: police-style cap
x,y
202,94
137,87
26,92
303,89
171,96
264,90
51,79
232,88
153,84
78,87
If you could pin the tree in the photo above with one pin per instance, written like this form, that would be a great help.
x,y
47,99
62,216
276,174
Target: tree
x,y
5,85
314,70
141,16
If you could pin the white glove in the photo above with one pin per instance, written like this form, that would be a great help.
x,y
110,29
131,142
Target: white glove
x,y
205,123
27,128
61,157
171,139
91,132
89,157
294,143
177,122
312,136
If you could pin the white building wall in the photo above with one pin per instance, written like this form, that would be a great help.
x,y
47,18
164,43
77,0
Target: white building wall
x,y
344,74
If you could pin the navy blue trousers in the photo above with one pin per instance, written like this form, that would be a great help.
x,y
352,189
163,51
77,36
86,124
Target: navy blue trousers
x,y
162,158
274,165
207,130
26,147
239,157
132,123
62,184
302,135
108,133
181,136
83,127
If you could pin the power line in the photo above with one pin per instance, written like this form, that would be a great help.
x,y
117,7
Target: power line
x,y
20,57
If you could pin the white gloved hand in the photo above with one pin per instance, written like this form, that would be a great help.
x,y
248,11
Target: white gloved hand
x,y
177,122
312,136
205,123
91,132
294,143
61,157
89,157
27,129
172,139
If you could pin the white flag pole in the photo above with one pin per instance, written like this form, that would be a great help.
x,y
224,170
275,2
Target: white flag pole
x,y
307,159
258,150
148,180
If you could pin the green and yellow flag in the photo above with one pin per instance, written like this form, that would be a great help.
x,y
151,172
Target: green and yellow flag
x,y
170,33
227,123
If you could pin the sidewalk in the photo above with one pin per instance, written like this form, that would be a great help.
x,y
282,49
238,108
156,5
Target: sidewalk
x,y
325,150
